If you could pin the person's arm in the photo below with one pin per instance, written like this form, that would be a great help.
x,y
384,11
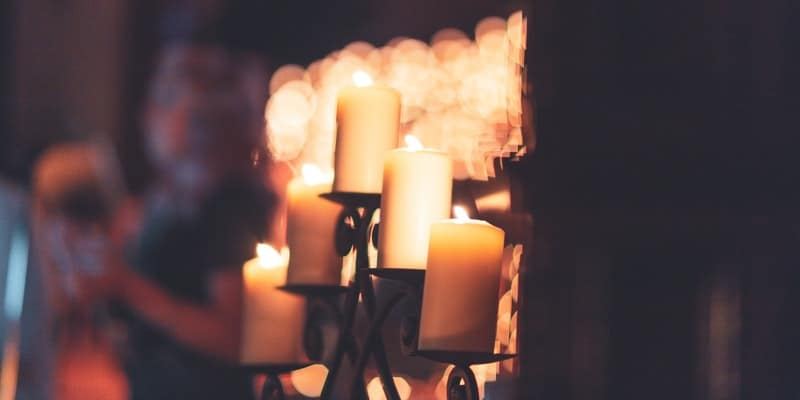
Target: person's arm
x,y
213,329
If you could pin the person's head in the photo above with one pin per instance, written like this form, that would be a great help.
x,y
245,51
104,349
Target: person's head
x,y
74,181
74,205
200,123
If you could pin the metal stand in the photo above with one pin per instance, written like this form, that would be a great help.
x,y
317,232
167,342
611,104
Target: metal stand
x,y
461,383
354,233
412,291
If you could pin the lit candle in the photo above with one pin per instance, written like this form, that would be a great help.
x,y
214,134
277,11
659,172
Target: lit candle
x,y
272,320
368,120
311,228
417,190
459,301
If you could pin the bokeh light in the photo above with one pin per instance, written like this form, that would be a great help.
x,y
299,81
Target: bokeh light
x,y
309,380
460,95
375,389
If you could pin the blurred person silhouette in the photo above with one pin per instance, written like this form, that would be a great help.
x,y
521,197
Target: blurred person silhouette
x,y
73,204
181,278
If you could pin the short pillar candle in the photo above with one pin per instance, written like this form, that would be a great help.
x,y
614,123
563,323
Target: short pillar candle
x,y
311,230
459,301
272,320
417,191
367,125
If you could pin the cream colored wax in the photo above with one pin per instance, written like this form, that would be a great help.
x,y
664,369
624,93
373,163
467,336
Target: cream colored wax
x,y
368,120
272,320
311,229
459,301
417,188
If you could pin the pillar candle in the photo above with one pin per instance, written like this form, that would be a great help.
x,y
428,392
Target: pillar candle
x,y
417,189
368,120
311,229
459,300
272,320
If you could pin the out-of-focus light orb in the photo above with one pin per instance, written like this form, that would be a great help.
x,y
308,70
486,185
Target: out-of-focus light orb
x,y
483,91
360,49
504,305
515,288
503,328
325,65
284,74
375,389
508,365
448,34
411,51
309,380
339,73
395,41
516,29
512,325
493,45
313,73
302,87
428,130
287,114
489,24
459,95
517,257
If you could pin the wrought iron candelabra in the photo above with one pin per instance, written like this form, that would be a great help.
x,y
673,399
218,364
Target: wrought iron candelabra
x,y
354,233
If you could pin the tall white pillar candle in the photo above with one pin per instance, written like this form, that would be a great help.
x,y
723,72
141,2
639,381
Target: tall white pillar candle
x,y
311,228
368,121
272,320
459,301
417,190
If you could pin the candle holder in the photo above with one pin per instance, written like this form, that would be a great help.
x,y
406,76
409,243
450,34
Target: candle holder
x,y
354,233
411,290
461,383
273,388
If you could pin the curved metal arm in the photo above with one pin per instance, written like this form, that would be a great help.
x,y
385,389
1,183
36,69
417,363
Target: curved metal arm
x,y
273,388
361,286
374,345
461,384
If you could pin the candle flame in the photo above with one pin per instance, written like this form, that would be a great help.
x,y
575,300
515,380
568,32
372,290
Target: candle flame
x,y
460,213
312,175
362,79
412,142
270,258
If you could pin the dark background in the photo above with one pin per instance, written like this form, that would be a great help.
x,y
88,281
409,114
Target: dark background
x,y
663,183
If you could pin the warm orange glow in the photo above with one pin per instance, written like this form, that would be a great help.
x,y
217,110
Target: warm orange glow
x,y
375,390
460,213
312,175
413,143
270,258
308,381
362,79
284,74
458,93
